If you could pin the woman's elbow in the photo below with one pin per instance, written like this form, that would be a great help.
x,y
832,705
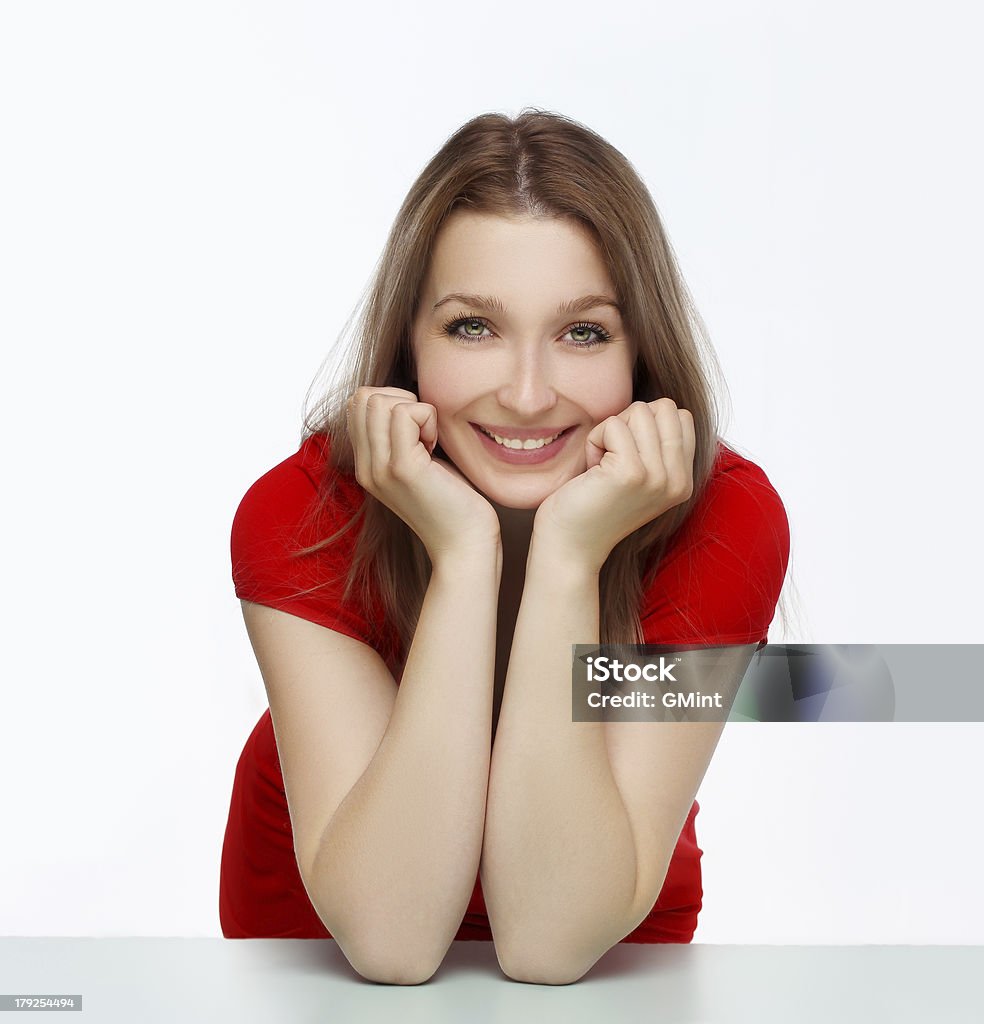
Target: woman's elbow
x,y
383,955
537,971
374,947
542,963
388,966
557,952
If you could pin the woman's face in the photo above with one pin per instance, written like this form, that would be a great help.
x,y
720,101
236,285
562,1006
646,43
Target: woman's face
x,y
517,335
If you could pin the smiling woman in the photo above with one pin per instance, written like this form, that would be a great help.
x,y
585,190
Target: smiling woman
x,y
521,455
514,382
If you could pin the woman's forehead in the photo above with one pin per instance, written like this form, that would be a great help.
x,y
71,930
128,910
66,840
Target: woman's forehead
x,y
464,221
475,252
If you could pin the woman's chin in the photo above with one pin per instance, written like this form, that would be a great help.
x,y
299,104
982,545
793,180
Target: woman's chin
x,y
516,505
518,498
518,491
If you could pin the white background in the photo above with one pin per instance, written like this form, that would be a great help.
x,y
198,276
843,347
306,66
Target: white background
x,y
193,196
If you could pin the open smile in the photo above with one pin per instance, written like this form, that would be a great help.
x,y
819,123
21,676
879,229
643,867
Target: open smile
x,y
522,446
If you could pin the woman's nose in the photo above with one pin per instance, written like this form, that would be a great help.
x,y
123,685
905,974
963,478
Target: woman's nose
x,y
527,389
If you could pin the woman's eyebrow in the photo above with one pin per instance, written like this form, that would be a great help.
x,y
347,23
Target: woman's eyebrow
x,y
580,305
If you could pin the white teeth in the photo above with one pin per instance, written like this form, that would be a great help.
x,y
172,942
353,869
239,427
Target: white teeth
x,y
528,445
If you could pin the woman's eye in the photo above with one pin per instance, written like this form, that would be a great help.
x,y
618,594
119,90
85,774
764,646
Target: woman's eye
x,y
581,335
473,328
470,328
465,328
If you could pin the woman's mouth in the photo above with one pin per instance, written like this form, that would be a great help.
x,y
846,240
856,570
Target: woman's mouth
x,y
522,446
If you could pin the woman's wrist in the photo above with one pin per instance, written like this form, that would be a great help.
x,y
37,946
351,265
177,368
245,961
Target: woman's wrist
x,y
552,553
468,554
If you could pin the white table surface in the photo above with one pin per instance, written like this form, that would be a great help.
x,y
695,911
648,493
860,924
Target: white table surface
x,y
144,980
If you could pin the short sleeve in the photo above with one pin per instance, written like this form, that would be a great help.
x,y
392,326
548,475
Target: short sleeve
x,y
720,578
279,515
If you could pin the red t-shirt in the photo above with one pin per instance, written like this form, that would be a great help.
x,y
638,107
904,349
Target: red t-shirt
x,y
718,582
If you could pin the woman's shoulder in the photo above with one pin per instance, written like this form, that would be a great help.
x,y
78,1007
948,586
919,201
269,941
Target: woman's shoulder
x,y
292,547
298,486
295,504
738,492
312,461
720,577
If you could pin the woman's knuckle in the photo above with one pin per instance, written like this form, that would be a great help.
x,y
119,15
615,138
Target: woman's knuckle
x,y
681,487
400,473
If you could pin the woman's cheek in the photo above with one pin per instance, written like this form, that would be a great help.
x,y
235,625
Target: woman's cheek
x,y
438,383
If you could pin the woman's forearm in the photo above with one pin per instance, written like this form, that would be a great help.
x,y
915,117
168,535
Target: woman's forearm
x,y
399,859
558,867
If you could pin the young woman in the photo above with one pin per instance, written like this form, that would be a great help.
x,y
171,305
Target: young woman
x,y
522,455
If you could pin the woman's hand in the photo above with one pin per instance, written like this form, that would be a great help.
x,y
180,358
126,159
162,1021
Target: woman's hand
x,y
393,436
640,463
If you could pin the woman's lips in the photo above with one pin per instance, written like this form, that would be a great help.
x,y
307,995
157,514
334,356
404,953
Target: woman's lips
x,y
523,456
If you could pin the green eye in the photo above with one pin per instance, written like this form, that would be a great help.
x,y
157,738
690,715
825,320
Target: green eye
x,y
470,323
601,335
475,325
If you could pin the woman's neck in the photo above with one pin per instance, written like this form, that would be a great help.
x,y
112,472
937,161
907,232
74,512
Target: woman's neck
x,y
516,530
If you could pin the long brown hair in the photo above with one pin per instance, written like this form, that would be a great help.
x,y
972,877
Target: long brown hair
x,y
538,164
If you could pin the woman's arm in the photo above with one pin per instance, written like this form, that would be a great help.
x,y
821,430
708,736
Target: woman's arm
x,y
391,870
583,817
397,862
559,861
569,866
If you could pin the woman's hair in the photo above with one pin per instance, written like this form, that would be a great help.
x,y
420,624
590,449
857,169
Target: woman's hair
x,y
538,164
